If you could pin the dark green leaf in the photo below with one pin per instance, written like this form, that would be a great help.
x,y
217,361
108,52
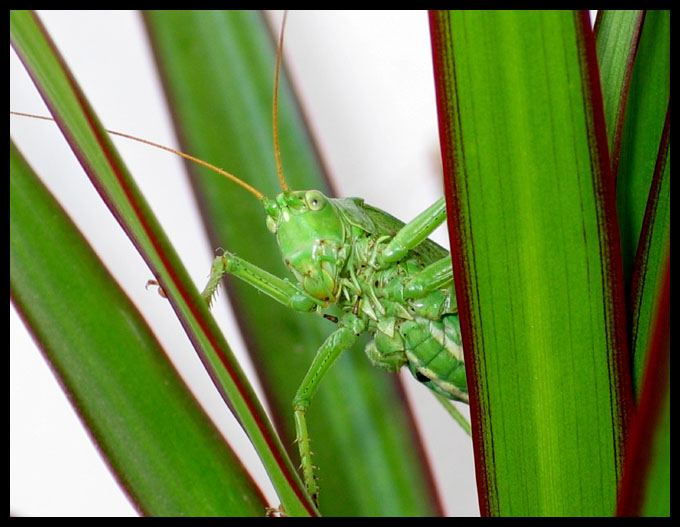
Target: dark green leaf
x,y
617,34
648,101
646,484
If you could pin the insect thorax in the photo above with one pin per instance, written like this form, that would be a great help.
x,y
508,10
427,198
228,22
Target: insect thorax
x,y
422,333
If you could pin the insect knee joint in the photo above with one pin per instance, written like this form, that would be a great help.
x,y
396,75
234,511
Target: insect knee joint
x,y
300,404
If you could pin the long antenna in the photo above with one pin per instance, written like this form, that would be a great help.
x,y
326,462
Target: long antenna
x,y
275,107
226,174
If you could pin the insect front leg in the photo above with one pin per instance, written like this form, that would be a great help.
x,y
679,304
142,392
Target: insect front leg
x,y
279,289
415,232
341,339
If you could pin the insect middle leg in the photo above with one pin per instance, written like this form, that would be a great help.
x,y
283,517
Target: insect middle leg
x,y
349,327
341,339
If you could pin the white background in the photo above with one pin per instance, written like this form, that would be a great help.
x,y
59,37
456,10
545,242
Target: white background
x,y
365,80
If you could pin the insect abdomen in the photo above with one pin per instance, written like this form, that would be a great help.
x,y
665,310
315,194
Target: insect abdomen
x,y
435,355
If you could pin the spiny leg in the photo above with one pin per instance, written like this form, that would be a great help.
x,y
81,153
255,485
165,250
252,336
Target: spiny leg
x,y
292,296
279,289
217,271
326,355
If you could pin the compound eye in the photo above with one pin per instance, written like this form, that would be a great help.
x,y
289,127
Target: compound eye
x,y
315,200
271,224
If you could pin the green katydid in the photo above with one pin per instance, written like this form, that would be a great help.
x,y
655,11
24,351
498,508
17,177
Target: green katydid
x,y
387,277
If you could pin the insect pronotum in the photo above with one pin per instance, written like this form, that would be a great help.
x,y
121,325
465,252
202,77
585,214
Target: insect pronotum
x,y
375,199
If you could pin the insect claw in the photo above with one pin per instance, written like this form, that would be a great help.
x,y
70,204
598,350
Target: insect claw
x,y
161,292
212,298
275,512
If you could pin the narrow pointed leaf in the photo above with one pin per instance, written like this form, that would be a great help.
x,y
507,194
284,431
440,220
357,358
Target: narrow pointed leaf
x,y
617,34
643,191
653,249
645,488
648,102
165,452
536,258
102,164
646,485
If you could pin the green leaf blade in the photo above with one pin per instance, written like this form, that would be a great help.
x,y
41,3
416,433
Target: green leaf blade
x,y
617,34
536,244
96,154
154,435
646,483
653,250
648,103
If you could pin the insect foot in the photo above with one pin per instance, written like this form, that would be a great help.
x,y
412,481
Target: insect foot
x,y
219,267
275,512
161,291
